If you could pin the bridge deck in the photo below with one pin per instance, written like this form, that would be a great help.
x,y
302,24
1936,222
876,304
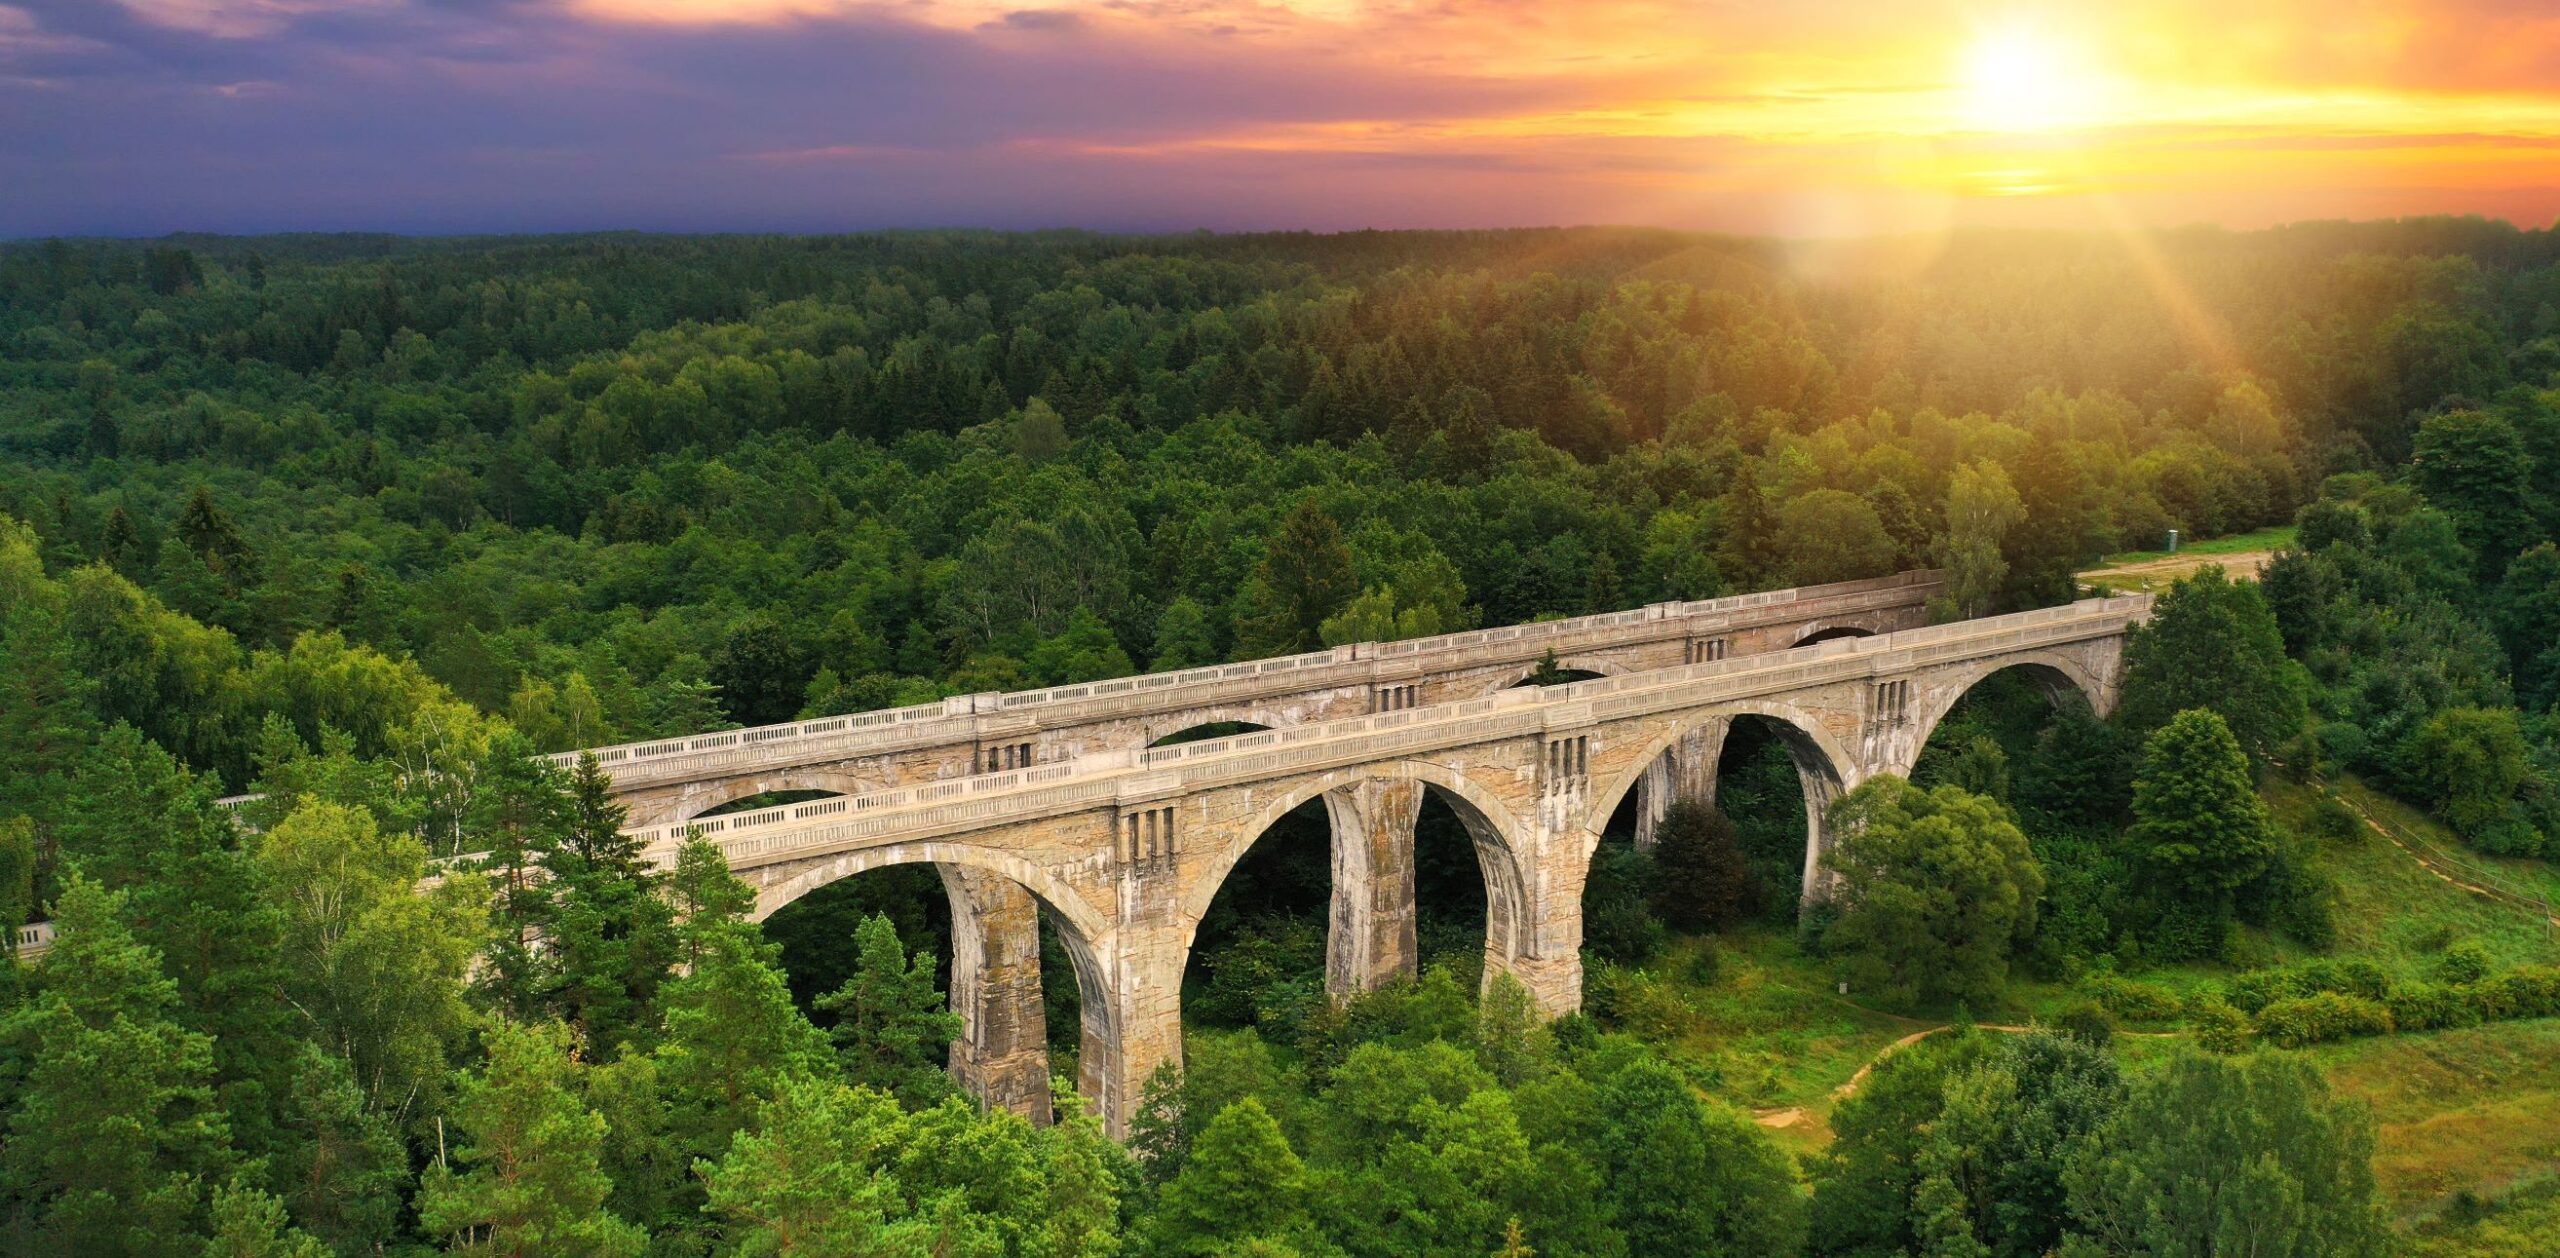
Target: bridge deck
x,y
818,827
957,719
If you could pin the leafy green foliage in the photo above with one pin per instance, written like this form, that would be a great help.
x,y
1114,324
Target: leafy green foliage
x,y
1935,889
2212,643
2199,826
2223,1154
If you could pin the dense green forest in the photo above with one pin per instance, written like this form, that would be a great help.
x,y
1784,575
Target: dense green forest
x,y
366,523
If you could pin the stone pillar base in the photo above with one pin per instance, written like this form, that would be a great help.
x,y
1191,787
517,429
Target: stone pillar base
x,y
1002,1054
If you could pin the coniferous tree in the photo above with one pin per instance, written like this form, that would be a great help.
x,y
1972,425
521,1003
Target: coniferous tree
x,y
1705,878
614,935
346,1177
1305,576
528,1185
143,826
893,1028
519,817
812,1179
115,1132
46,718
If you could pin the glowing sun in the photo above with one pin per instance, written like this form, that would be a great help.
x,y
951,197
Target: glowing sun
x,y
2023,80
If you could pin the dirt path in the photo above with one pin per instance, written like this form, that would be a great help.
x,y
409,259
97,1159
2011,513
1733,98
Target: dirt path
x,y
2428,862
1789,1116
2157,574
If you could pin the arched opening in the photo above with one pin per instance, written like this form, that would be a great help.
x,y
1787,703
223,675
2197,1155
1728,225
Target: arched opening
x,y
1992,731
1258,955
1448,889
747,794
764,799
1552,672
1620,921
1207,730
2026,736
1002,957
1834,634
1355,882
1775,783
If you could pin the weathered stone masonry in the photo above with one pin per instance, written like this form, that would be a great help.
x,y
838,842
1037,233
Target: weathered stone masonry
x,y
676,779
1125,849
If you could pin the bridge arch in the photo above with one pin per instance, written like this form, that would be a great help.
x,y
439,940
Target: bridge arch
x,y
1053,893
1082,930
1496,830
2059,675
723,793
1595,665
1825,770
1832,631
1168,730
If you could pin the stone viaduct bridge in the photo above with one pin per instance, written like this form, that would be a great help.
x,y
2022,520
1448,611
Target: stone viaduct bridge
x,y
1054,803
967,735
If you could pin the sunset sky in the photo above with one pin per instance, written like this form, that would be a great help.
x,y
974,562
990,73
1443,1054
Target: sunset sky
x,y
1818,117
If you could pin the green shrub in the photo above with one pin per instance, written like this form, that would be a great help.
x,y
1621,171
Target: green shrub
x,y
2296,1021
2511,833
2352,976
2527,991
1706,965
1637,1002
2344,742
2088,1022
2134,1000
2220,1028
2432,1006
2331,821
2463,962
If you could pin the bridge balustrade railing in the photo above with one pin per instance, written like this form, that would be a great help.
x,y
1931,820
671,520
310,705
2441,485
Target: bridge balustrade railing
x,y
921,719
1509,714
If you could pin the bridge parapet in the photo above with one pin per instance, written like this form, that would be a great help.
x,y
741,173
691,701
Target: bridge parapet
x,y
962,718
940,807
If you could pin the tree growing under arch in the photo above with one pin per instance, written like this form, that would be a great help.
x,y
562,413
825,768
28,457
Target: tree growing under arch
x,y
1935,890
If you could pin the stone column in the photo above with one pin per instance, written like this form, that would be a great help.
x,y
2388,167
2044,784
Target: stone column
x,y
1371,940
1536,937
1002,1054
1685,770
1822,789
1133,1002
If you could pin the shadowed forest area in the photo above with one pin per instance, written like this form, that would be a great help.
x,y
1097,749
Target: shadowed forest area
x,y
367,524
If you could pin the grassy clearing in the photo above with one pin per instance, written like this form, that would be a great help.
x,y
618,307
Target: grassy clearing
x,y
2463,1116
2396,912
2235,544
2476,1108
2522,1223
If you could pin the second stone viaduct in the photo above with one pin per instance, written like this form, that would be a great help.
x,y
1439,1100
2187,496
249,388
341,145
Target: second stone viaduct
x,y
1122,847
677,779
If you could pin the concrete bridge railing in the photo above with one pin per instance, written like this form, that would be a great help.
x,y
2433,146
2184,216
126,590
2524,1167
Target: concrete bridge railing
x,y
964,722
749,837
